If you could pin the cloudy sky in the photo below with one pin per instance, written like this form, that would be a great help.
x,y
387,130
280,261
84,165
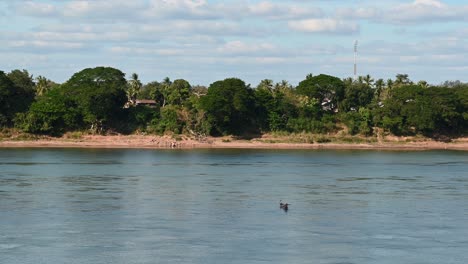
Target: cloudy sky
x,y
208,40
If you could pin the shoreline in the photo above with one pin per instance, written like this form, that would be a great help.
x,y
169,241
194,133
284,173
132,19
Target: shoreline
x,y
166,142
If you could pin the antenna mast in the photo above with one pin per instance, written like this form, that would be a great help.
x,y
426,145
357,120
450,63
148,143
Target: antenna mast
x,y
355,59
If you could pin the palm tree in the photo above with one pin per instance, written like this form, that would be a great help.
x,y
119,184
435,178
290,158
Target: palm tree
x,y
360,79
165,89
423,84
379,86
283,87
402,79
348,81
368,80
43,85
266,84
390,83
134,88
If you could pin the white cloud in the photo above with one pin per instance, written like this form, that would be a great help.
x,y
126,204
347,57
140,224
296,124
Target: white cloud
x,y
426,10
241,48
283,11
359,13
327,25
145,51
36,46
418,11
31,8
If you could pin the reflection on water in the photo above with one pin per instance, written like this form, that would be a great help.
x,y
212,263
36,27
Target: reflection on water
x,y
220,206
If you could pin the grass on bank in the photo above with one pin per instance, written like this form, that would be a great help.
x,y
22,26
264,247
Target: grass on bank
x,y
340,137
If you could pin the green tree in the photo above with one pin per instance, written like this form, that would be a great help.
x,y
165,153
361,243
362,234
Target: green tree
x,y
164,90
99,93
229,105
358,121
411,109
133,88
402,79
323,87
390,84
178,92
147,90
348,81
379,87
51,114
447,110
22,80
14,99
462,94
43,85
169,121
368,80
266,85
357,95
423,84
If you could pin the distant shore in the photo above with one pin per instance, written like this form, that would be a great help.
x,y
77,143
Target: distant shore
x,y
166,142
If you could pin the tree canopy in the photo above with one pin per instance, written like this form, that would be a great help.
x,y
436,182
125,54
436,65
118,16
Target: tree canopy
x,y
98,92
101,99
229,106
323,88
16,95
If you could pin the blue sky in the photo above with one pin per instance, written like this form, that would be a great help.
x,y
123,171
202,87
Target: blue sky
x,y
204,41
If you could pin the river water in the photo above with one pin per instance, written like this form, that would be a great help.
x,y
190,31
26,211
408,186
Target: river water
x,y
222,206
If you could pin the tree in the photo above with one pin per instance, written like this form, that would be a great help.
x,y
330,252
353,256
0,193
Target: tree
x,y
163,91
462,94
283,88
178,92
43,85
7,99
266,85
229,105
169,121
199,90
423,84
22,80
368,80
379,87
99,93
323,87
447,110
357,95
412,109
390,83
348,81
14,99
402,79
147,90
51,114
134,88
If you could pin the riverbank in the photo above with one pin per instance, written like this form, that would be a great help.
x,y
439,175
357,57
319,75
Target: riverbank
x,y
265,142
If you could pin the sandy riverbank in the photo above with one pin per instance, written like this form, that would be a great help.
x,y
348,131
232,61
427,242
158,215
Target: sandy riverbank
x,y
166,142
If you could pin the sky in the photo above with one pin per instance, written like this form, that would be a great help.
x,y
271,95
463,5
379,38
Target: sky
x,y
203,41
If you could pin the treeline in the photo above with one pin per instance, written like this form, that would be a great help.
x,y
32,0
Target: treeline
x,y
102,100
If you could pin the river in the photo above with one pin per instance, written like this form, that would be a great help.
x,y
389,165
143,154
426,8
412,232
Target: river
x,y
222,206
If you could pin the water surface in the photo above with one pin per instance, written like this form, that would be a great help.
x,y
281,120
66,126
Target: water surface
x,y
222,206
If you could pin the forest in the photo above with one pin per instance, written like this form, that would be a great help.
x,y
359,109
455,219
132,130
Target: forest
x,y
101,100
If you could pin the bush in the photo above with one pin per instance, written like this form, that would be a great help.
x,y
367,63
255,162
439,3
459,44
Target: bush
x,y
169,121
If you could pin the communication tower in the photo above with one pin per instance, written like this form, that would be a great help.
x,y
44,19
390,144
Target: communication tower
x,y
355,59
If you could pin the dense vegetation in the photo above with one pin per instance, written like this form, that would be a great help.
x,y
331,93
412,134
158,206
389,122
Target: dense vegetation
x,y
101,100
